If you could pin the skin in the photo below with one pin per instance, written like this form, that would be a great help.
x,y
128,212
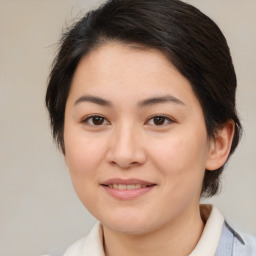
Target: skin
x,y
171,151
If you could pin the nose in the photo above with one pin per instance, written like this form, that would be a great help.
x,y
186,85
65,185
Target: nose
x,y
126,148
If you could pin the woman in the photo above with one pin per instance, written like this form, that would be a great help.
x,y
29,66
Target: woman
x,y
141,99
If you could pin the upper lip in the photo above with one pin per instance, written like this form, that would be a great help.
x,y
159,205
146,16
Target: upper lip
x,y
127,182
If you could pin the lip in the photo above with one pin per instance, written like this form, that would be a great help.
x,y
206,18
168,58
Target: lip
x,y
126,182
127,194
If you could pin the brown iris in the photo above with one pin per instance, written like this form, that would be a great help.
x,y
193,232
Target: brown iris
x,y
97,120
159,120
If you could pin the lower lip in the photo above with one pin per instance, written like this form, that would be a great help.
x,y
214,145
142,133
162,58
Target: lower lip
x,y
127,193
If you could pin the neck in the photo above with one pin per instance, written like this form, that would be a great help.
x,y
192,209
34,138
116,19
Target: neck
x,y
178,238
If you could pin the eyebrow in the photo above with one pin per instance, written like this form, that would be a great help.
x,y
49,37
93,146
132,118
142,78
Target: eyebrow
x,y
159,100
143,103
93,99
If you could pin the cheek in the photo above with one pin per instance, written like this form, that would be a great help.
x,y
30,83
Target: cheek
x,y
83,157
176,153
181,159
83,154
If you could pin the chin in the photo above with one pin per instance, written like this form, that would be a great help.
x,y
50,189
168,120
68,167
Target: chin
x,y
128,228
133,225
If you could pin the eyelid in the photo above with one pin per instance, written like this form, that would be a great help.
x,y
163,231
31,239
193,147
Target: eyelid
x,y
88,117
167,118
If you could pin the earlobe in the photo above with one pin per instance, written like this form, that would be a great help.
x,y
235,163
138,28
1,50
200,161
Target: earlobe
x,y
220,146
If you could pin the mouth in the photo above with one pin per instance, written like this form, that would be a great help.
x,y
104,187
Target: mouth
x,y
127,189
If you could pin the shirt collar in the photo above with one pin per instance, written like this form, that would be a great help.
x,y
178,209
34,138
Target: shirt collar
x,y
207,244
210,237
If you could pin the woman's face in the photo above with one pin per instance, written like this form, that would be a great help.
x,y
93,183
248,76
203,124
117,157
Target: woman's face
x,y
135,139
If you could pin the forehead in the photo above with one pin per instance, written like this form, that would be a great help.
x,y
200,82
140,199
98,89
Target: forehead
x,y
128,71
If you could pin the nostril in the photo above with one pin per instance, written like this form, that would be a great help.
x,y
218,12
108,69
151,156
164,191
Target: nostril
x,y
124,164
113,163
134,164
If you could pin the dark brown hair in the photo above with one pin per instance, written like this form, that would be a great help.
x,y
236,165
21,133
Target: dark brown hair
x,y
187,37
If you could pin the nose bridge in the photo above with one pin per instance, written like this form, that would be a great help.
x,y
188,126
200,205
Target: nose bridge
x,y
126,146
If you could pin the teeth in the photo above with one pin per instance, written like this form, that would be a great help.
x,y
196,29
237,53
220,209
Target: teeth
x,y
115,186
126,187
131,186
122,187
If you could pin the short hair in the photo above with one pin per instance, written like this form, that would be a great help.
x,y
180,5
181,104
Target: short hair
x,y
191,41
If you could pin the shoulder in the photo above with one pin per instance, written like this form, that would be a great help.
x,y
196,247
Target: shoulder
x,y
245,247
244,244
76,249
91,245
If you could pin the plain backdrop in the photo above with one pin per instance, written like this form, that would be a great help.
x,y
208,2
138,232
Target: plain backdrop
x,y
39,211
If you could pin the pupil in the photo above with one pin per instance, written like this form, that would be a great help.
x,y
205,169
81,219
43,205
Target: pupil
x,y
159,120
97,120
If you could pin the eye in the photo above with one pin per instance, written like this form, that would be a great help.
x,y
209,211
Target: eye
x,y
95,120
160,120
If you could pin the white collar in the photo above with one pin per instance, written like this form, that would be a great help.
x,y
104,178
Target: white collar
x,y
210,237
92,245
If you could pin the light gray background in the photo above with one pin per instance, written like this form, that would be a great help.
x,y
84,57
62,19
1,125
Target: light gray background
x,y
39,211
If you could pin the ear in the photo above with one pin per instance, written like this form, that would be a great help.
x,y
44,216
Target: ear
x,y
220,146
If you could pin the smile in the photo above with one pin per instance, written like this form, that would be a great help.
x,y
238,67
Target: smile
x,y
126,187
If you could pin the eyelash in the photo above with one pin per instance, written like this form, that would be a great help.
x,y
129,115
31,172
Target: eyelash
x,y
91,117
165,119
104,121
